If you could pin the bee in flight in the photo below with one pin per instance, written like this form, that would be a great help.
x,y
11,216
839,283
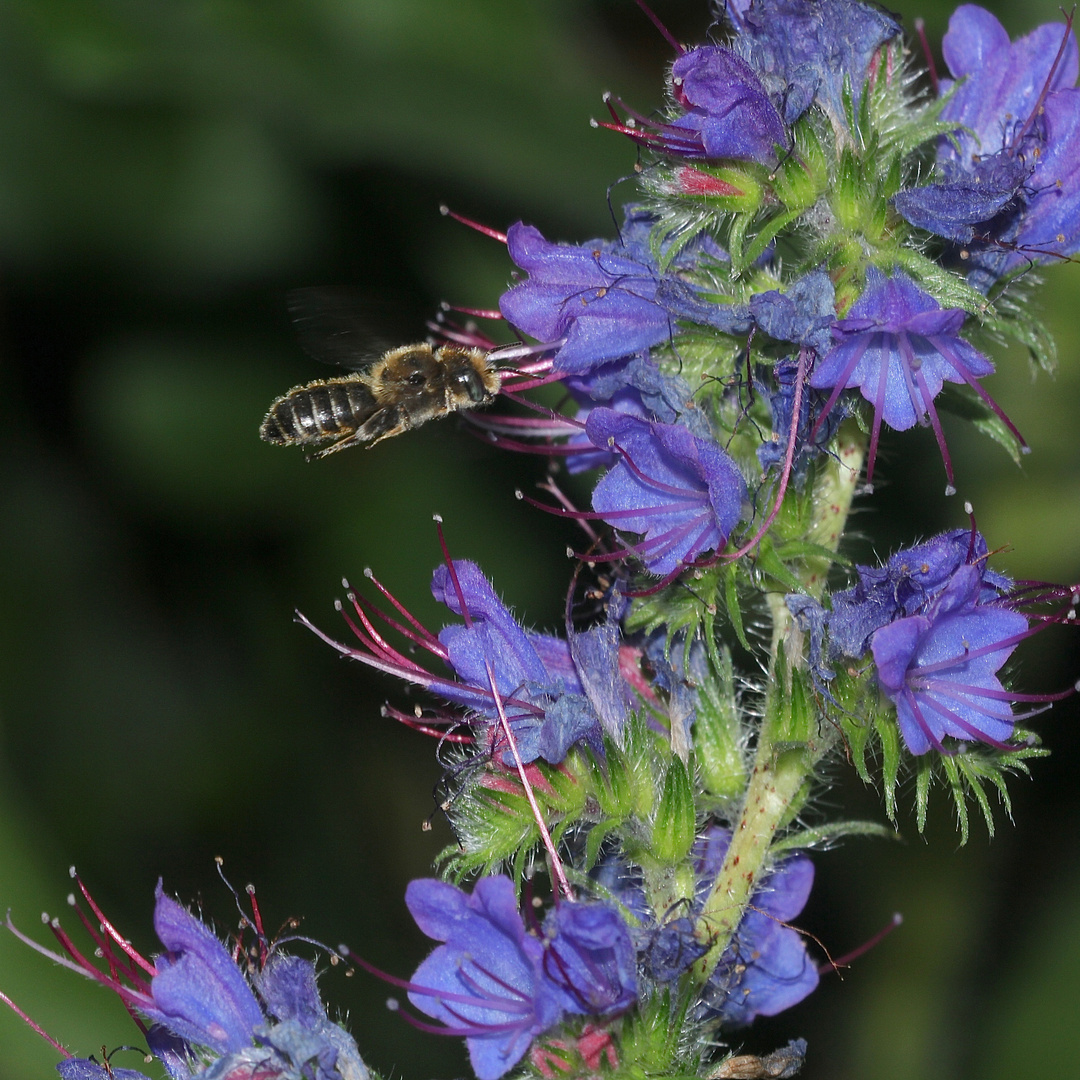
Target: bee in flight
x,y
384,396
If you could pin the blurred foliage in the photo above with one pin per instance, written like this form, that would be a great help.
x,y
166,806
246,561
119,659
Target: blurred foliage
x,y
167,173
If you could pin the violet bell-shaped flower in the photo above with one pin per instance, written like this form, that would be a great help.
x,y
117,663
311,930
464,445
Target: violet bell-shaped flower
x,y
908,581
602,300
683,494
592,300
766,968
1009,179
940,624
555,692
206,1018
804,50
551,693
727,114
500,986
939,668
898,346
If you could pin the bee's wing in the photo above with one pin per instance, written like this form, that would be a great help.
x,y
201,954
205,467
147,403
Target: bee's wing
x,y
334,326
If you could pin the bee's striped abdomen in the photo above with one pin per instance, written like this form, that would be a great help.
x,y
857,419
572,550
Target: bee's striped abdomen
x,y
318,411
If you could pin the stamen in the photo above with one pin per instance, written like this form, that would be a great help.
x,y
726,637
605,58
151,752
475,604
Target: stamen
x,y
485,229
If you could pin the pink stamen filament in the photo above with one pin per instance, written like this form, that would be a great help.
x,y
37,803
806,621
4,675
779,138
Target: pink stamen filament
x,y
425,640
112,931
485,229
34,1026
865,947
453,573
412,721
556,863
412,619
789,458
664,31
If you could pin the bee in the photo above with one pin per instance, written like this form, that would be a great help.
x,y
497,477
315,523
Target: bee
x,y
384,396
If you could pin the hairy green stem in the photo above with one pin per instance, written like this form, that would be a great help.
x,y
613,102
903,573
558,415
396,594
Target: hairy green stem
x,y
784,762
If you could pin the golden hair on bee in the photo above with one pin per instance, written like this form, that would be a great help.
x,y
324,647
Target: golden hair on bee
x,y
400,390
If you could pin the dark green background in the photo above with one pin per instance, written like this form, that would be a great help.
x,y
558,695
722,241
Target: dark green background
x,y
167,171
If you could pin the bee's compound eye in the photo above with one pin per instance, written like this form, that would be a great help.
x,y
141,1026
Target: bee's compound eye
x,y
473,385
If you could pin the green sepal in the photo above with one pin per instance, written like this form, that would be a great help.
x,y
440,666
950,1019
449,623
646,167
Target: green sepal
x,y
790,725
613,782
719,738
731,602
653,1042
804,549
967,403
495,825
641,764
848,192
869,726
888,734
966,774
742,258
767,562
674,826
803,175
690,606
926,126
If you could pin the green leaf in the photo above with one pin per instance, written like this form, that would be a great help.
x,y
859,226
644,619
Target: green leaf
x,y
731,601
1018,323
965,402
824,834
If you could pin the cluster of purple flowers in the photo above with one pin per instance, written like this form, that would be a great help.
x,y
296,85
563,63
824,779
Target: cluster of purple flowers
x,y
205,1012
500,984
765,968
771,232
1006,188
940,625
543,692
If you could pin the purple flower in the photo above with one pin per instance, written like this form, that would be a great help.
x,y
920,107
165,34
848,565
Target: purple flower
x,y
766,968
602,301
591,958
803,50
728,113
206,1018
682,493
85,1069
804,314
593,298
500,986
1010,177
908,582
939,667
554,693
198,991
898,346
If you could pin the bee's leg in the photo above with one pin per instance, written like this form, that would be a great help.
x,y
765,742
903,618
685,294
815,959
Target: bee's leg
x,y
354,439
385,424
